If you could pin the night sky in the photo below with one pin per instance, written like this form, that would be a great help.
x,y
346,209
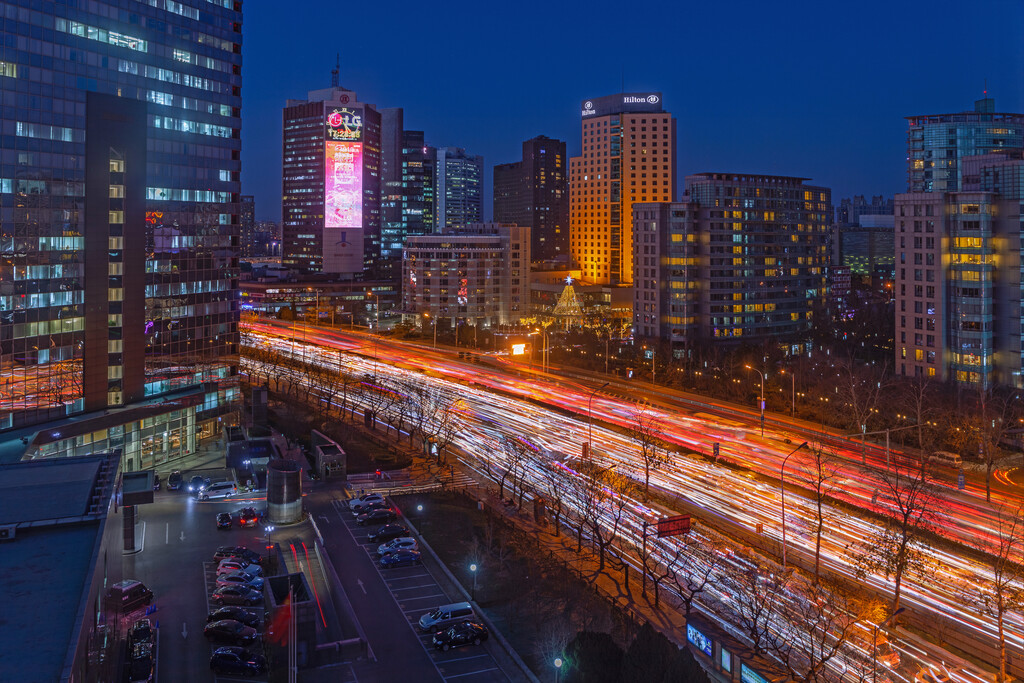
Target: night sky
x,y
811,89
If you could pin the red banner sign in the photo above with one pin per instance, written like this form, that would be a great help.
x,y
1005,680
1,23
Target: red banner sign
x,y
673,526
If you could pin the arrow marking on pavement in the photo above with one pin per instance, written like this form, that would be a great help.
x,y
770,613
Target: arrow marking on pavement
x,y
182,536
184,630
359,582
326,519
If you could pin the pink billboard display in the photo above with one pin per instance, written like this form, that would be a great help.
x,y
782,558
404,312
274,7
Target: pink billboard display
x,y
343,185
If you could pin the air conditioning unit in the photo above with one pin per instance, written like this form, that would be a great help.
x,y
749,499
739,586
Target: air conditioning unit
x,y
7,532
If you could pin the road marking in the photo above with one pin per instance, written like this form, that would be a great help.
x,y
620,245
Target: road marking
x,y
326,519
359,582
182,538
463,659
423,597
471,673
167,535
409,588
184,629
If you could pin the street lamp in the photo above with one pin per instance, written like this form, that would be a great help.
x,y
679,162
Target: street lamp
x,y
472,568
376,330
762,395
792,405
782,477
590,419
558,669
427,315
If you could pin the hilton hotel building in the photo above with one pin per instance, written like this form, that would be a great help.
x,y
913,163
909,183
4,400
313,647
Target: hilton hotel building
x,y
628,156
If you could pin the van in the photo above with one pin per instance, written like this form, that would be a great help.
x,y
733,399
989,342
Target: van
x,y
125,596
946,458
447,615
221,489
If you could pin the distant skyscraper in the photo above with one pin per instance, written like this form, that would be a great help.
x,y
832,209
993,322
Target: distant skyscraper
x,y
958,247
937,142
409,200
247,224
713,266
119,270
629,155
849,211
331,184
534,192
459,179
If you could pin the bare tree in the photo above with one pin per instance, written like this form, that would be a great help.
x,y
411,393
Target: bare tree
x,y
756,597
983,428
859,389
911,509
693,564
819,475
919,397
647,432
1001,592
515,454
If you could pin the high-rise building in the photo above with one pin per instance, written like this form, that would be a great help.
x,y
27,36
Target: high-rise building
x,y
958,248
535,192
937,142
849,211
478,274
866,248
742,258
119,233
247,224
409,200
331,184
628,156
459,194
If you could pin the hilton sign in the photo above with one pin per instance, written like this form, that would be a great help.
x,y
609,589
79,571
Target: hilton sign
x,y
616,104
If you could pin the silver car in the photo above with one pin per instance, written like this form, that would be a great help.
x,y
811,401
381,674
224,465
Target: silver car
x,y
396,544
230,566
240,579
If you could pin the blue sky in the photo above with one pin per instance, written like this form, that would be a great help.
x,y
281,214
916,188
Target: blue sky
x,y
812,89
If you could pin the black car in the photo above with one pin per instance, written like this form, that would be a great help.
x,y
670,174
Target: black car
x,y
387,532
141,663
237,595
380,515
142,631
197,482
223,520
230,632
244,616
248,517
460,634
237,551
174,481
235,660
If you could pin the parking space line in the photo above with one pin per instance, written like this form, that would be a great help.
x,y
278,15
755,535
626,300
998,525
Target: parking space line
x,y
463,659
471,673
409,588
424,597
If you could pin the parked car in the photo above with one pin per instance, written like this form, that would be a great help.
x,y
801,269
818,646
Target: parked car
x,y
363,503
128,595
461,634
446,616
396,544
232,565
239,552
240,614
241,579
381,515
375,505
387,532
174,481
197,482
141,663
230,632
236,660
248,518
402,558
222,489
237,595
223,520
142,631
156,481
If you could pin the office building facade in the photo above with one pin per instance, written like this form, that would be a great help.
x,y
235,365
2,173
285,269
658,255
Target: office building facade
x,y
459,193
535,192
628,156
867,248
409,203
744,258
247,225
119,187
476,275
958,249
331,184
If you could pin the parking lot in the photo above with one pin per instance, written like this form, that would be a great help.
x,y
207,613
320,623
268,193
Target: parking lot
x,y
416,593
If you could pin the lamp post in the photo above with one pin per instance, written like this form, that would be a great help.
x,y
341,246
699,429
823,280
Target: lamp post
x,y
792,404
472,568
782,487
558,669
590,418
376,329
427,315
762,395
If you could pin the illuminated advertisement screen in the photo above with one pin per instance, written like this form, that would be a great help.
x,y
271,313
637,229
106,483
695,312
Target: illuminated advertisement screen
x,y
748,675
344,123
343,185
700,641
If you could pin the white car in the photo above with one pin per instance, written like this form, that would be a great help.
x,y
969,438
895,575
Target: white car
x,y
396,544
231,565
363,502
240,579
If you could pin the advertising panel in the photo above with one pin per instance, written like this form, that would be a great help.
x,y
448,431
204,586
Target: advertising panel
x,y
345,123
343,250
748,675
343,185
699,640
673,526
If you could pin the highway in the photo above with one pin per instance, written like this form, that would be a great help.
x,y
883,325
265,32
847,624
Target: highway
x,y
552,418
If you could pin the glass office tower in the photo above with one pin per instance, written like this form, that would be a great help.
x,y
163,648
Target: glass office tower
x,y
119,190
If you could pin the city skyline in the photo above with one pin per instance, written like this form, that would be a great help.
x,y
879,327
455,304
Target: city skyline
x,y
849,80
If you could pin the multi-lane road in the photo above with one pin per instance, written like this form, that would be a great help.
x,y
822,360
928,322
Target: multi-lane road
x,y
553,414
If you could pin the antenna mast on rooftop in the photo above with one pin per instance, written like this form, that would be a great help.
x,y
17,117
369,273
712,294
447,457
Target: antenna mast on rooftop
x,y
336,70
